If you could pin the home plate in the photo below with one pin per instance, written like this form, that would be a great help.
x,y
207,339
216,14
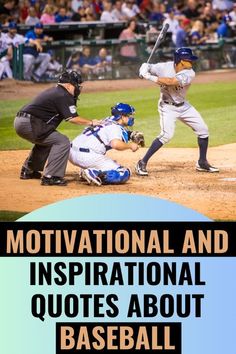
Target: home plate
x,y
230,179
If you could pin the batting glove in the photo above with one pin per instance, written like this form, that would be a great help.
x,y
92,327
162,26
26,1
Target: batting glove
x,y
150,77
144,69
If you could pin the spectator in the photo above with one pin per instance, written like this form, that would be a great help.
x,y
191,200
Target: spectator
x,y
97,8
196,35
89,11
5,56
107,15
48,17
33,53
62,16
233,14
104,64
224,30
76,4
130,9
73,62
53,68
117,12
24,10
208,16
182,39
173,24
192,10
87,63
157,13
32,17
146,7
222,5
128,52
79,15
37,6
6,7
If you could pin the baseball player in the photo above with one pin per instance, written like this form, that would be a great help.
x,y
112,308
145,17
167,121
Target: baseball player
x,y
5,56
37,122
33,53
174,79
89,148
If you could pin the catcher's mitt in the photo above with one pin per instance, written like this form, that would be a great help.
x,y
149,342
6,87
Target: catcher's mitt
x,y
137,137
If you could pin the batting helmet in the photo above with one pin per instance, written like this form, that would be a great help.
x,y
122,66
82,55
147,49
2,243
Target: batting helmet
x,y
123,109
71,77
184,54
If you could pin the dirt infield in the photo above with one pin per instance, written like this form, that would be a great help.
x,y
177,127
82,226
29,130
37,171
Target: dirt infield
x,y
172,171
172,177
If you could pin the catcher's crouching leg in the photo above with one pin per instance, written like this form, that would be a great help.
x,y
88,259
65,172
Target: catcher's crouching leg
x,y
121,175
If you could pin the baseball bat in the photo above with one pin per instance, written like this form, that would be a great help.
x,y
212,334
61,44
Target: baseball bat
x,y
160,38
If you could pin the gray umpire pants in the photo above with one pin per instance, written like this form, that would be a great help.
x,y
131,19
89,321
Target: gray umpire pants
x,y
54,149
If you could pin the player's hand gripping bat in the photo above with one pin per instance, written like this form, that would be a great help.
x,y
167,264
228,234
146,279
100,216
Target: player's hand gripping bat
x,y
160,39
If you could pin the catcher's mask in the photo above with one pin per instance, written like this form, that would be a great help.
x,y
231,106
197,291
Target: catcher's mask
x,y
123,109
184,54
74,78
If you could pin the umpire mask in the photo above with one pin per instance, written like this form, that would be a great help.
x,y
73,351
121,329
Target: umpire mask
x,y
74,78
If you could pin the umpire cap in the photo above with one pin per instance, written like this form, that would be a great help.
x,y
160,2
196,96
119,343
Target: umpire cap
x,y
70,77
184,54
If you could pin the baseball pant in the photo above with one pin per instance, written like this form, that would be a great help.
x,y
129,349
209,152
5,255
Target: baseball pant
x,y
54,149
91,159
5,68
30,61
187,114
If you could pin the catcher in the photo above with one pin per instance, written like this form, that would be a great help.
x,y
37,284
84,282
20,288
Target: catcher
x,y
89,148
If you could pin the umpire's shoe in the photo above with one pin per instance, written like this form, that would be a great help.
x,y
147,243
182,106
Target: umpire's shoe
x,y
28,174
204,166
53,181
140,168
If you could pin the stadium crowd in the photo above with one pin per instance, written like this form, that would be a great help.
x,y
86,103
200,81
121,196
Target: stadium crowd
x,y
191,22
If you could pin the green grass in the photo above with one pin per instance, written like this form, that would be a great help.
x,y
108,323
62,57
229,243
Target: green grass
x,y
10,215
216,103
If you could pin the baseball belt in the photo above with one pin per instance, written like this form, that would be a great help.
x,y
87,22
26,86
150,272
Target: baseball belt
x,y
79,149
174,104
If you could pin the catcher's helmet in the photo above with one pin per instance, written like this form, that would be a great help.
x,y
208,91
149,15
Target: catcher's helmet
x,y
184,54
71,77
123,109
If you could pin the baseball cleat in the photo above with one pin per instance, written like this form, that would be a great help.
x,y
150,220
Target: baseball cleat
x,y
91,177
205,167
53,181
28,174
140,168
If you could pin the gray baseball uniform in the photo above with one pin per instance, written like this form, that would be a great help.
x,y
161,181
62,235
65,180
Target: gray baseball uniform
x,y
172,104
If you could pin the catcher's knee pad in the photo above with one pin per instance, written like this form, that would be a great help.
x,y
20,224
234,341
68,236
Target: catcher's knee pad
x,y
121,175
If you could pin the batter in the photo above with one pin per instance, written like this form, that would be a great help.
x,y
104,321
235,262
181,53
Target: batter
x,y
174,79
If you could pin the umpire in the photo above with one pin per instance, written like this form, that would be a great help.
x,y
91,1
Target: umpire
x,y
37,122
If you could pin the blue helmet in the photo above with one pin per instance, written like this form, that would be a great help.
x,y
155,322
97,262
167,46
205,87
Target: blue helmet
x,y
184,54
123,109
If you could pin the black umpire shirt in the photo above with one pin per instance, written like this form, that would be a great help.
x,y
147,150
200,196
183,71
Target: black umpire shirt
x,y
52,106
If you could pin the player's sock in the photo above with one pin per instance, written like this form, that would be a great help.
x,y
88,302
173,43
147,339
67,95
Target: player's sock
x,y
203,145
156,145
